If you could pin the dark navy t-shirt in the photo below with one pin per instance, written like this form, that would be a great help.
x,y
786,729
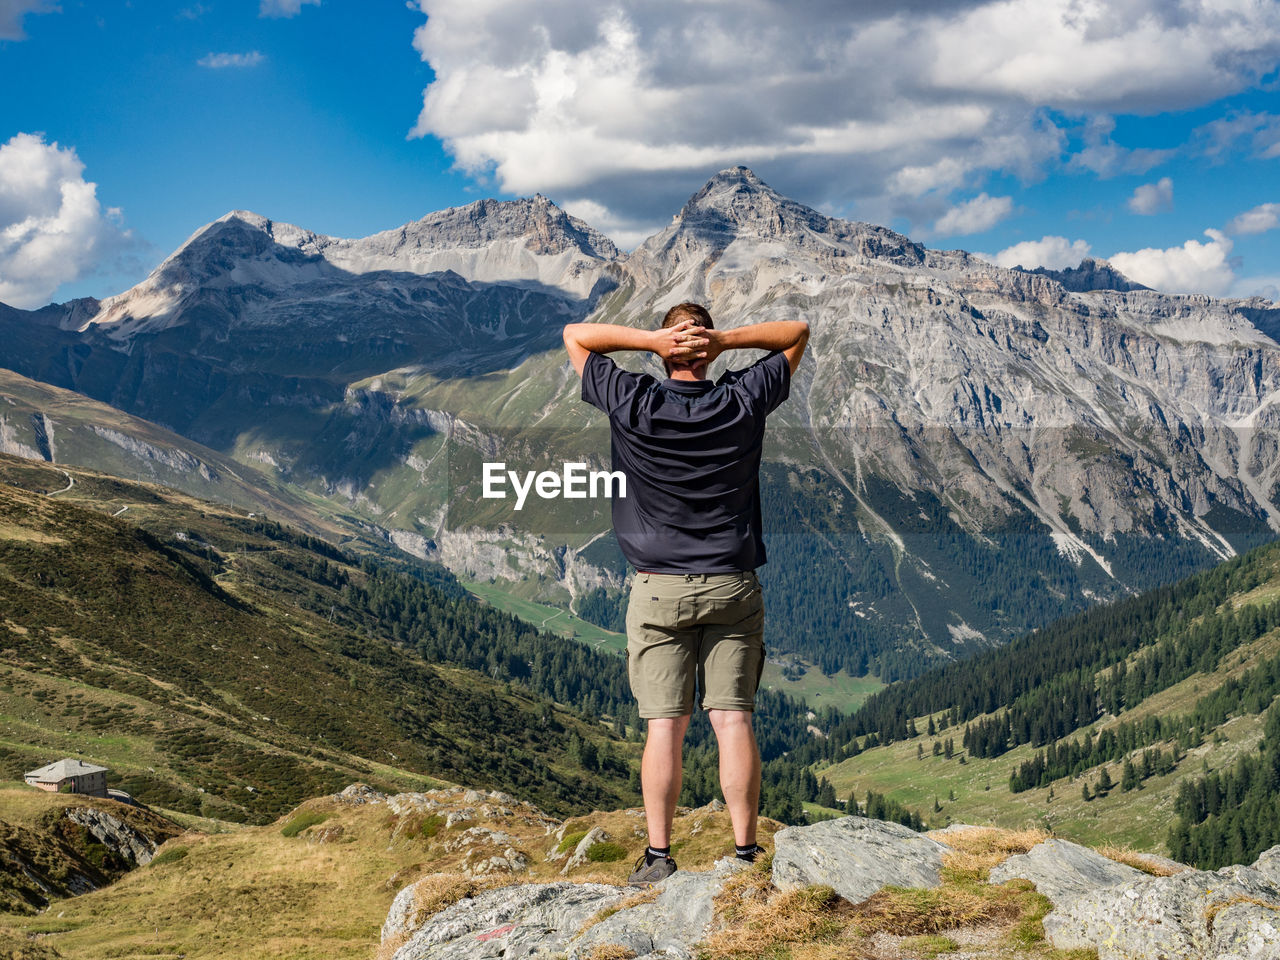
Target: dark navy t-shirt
x,y
690,451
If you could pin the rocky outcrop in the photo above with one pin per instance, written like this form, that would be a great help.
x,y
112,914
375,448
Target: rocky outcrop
x,y
1098,903
525,920
670,926
579,856
1063,871
855,856
1227,914
549,919
360,793
114,834
1125,914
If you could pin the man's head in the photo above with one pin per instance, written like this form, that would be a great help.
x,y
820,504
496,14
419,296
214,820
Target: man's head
x,y
677,314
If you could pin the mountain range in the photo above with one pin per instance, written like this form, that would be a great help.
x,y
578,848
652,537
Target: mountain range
x,y
969,451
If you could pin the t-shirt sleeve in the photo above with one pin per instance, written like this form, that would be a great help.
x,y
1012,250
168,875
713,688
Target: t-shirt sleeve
x,y
767,381
605,384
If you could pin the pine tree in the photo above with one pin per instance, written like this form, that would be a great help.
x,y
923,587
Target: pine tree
x,y
1129,778
827,795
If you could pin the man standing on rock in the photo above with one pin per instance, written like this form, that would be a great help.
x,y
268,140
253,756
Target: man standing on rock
x,y
690,525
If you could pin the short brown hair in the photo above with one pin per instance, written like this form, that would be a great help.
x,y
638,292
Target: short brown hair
x,y
688,311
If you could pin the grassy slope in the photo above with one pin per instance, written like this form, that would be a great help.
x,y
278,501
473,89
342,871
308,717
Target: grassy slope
x,y
86,431
546,617
1140,817
225,695
45,855
839,690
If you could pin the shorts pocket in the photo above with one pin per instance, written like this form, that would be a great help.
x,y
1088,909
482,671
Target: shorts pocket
x,y
650,607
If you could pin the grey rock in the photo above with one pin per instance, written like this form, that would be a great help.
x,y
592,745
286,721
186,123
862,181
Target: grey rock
x,y
456,817
113,833
670,926
358,793
855,856
1227,914
1062,870
1268,864
579,857
525,920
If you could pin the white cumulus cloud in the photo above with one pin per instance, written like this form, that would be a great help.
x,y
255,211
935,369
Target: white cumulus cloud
x,y
283,8
1052,253
974,216
1264,217
1194,267
221,61
884,110
12,12
1152,197
52,228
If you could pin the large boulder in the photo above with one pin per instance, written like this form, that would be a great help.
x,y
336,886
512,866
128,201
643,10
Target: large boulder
x,y
669,926
1062,870
856,856
525,920
1227,914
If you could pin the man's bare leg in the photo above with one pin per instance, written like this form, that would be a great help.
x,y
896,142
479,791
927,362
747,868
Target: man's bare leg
x,y
739,771
661,770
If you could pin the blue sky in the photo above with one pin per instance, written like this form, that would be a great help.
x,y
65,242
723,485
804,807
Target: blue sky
x,y
1031,130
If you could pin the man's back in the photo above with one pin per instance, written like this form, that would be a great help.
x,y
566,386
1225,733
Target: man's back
x,y
690,451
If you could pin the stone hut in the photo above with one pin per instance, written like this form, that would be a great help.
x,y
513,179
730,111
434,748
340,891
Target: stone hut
x,y
69,774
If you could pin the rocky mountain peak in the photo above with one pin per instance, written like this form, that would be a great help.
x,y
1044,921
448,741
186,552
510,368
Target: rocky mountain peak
x,y
736,207
545,228
1091,274
736,201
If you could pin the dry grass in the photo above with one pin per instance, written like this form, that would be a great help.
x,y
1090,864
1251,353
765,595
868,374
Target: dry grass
x,y
976,850
610,951
755,920
1212,910
905,911
436,891
1138,860
387,949
635,900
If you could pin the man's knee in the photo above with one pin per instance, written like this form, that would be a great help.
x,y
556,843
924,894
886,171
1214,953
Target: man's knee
x,y
668,726
727,721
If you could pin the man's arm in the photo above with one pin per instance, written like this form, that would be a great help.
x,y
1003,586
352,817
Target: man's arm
x,y
671,343
789,336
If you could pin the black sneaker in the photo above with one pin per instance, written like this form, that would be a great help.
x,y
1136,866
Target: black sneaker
x,y
646,875
750,857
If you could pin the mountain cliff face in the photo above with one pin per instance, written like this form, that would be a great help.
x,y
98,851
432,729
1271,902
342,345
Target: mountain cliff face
x,y
969,451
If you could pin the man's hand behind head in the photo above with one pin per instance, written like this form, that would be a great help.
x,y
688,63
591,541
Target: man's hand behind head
x,y
685,343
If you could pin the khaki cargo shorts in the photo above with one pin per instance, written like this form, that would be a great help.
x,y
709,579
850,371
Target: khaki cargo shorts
x,y
687,627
